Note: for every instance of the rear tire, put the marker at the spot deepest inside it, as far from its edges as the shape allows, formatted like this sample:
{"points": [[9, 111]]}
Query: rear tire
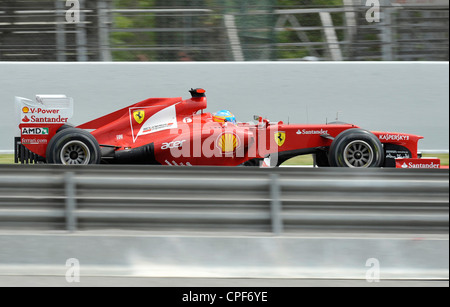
{"points": [[356, 148], [63, 127], [73, 146]]}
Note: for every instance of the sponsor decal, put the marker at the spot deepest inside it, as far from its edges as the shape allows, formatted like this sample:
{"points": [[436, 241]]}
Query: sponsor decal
{"points": [[393, 137], [178, 164], [46, 114], [420, 165], [48, 109], [396, 154], [162, 120], [34, 141], [139, 116], [39, 119], [280, 137], [34, 131], [119, 137], [187, 120], [40, 111], [228, 142], [175, 144], [157, 127], [307, 132]]}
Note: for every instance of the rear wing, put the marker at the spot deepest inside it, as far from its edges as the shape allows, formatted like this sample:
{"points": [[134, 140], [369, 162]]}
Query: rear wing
{"points": [[48, 109], [37, 122]]}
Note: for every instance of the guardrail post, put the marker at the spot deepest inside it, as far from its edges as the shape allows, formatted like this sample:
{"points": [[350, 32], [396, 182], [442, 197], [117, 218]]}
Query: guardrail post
{"points": [[70, 188], [275, 205]]}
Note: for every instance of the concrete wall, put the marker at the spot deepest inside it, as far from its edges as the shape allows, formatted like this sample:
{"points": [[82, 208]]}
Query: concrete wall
{"points": [[404, 97]]}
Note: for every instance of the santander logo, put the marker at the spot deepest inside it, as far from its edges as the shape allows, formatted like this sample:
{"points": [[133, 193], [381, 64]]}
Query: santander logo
{"points": [[420, 165]]}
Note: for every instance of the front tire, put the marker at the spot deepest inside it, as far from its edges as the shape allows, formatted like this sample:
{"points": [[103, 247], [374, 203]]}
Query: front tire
{"points": [[73, 146], [356, 148]]}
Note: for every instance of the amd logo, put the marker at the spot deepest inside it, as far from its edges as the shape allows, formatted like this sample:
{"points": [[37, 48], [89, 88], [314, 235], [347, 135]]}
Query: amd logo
{"points": [[34, 131]]}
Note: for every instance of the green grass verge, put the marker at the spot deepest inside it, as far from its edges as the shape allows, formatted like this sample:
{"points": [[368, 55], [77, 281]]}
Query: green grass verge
{"points": [[6, 159], [300, 160], [443, 157]]}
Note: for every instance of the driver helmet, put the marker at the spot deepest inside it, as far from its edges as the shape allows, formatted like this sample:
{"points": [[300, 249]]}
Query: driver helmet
{"points": [[224, 116]]}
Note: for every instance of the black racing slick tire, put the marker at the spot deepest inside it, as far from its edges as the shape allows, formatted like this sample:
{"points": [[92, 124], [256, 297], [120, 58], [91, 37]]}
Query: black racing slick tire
{"points": [[356, 148], [73, 146], [63, 127]]}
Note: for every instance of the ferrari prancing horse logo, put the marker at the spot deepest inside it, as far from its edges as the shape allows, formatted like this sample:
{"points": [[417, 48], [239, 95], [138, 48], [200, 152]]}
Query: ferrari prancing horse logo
{"points": [[139, 116], [280, 137]]}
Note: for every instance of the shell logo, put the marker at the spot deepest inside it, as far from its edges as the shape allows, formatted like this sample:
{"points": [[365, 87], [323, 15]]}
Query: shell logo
{"points": [[25, 110], [227, 142]]}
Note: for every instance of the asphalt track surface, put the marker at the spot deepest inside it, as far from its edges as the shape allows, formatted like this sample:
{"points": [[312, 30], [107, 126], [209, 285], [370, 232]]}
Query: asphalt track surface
{"points": [[60, 281]]}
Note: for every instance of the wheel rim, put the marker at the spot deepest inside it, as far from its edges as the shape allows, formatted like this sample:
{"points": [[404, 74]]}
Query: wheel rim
{"points": [[358, 154], [75, 153]]}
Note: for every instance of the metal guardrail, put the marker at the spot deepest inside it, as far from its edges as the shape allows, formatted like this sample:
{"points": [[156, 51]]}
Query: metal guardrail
{"points": [[217, 199]]}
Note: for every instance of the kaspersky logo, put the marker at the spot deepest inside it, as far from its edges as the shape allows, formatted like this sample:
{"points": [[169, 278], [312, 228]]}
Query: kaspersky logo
{"points": [[34, 131], [394, 137]]}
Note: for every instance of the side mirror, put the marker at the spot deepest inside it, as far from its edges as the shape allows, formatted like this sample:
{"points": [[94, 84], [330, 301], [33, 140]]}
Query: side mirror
{"points": [[257, 117]]}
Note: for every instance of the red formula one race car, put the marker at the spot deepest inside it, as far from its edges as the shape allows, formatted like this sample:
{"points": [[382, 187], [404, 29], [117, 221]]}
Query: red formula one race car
{"points": [[173, 131]]}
